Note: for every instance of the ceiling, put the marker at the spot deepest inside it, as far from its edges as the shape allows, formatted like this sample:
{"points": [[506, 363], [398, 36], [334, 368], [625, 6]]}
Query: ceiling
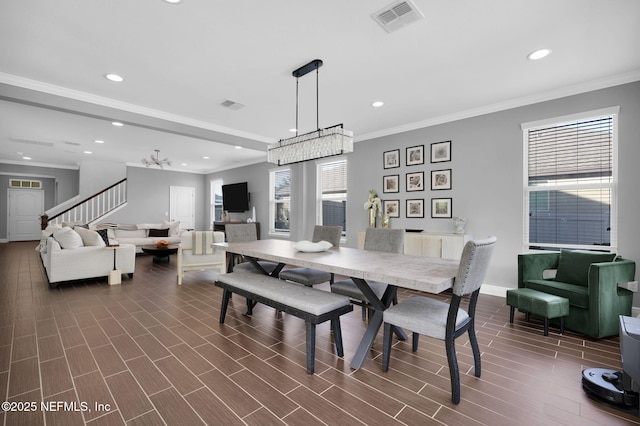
{"points": [[181, 61]]}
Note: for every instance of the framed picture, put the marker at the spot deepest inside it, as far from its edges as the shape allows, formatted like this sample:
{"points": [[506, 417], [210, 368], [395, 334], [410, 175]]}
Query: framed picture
{"points": [[440, 179], [391, 159], [415, 155], [441, 208], [391, 207], [415, 181], [415, 208], [391, 183], [440, 152]]}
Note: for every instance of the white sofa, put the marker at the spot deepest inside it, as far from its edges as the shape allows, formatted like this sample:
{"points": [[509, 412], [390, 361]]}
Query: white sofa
{"points": [[141, 234], [85, 262], [188, 261]]}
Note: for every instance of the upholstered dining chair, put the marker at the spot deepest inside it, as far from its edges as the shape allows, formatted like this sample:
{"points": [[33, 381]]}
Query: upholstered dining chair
{"points": [[441, 320], [375, 239], [241, 232], [309, 276]]}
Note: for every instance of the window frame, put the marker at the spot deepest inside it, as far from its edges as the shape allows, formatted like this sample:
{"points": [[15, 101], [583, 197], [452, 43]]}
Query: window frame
{"points": [[213, 204], [613, 112], [319, 193], [273, 202]]}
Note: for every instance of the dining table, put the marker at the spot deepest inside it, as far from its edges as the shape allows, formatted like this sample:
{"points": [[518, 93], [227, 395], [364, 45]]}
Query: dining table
{"points": [[424, 274]]}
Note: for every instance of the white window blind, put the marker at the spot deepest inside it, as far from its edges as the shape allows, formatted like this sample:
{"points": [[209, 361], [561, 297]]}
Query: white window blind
{"points": [[280, 180], [332, 178], [570, 184]]}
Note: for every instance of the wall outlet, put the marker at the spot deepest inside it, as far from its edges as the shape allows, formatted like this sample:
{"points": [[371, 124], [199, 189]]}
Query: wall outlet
{"points": [[166, 213]]}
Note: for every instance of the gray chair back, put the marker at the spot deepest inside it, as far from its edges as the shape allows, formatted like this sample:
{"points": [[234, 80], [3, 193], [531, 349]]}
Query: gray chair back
{"points": [[387, 240], [241, 232], [474, 263], [331, 234]]}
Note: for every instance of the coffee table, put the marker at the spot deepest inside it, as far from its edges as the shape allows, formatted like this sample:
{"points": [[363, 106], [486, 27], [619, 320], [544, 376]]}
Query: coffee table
{"points": [[160, 254]]}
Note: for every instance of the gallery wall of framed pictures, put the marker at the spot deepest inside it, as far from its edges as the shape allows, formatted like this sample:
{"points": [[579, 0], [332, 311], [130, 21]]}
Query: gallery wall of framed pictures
{"points": [[440, 179]]}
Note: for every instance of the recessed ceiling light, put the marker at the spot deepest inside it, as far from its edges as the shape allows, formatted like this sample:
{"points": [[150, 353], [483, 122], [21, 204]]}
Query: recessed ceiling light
{"points": [[98, 141], [88, 152], [184, 164], [117, 124], [114, 77], [26, 158], [293, 130], [538, 54], [377, 104], [205, 157], [237, 147], [173, 1]]}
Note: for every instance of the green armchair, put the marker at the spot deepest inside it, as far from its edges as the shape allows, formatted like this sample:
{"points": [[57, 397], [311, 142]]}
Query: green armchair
{"points": [[589, 280]]}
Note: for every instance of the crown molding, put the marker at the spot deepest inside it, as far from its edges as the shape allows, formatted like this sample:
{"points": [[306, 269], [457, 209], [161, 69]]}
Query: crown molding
{"points": [[32, 164], [510, 104]]}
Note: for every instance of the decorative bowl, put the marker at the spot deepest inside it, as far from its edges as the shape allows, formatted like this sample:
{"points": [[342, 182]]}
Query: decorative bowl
{"points": [[162, 243]]}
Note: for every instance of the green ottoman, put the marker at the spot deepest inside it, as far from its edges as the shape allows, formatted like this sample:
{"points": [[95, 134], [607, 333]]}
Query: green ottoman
{"points": [[535, 302]]}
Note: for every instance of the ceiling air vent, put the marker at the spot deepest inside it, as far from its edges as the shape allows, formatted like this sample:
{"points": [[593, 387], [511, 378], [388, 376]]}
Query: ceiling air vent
{"points": [[397, 15], [31, 141], [232, 105]]}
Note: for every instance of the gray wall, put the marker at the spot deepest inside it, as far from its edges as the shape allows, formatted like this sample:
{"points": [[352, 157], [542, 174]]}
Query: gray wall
{"points": [[257, 178], [59, 185], [148, 196], [487, 174]]}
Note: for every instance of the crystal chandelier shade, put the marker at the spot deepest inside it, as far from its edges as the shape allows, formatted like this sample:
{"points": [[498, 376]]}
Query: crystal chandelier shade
{"points": [[309, 146]]}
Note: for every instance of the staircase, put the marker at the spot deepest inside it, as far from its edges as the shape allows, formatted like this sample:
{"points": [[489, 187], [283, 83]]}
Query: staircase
{"points": [[93, 208]]}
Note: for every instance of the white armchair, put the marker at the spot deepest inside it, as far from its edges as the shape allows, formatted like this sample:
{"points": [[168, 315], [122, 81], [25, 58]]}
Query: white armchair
{"points": [[200, 256]]}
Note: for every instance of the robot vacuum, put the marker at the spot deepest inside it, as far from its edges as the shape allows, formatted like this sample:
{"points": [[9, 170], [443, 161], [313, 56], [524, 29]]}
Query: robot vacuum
{"points": [[619, 389]]}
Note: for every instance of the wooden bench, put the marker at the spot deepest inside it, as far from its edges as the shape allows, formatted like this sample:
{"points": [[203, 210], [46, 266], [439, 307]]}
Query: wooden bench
{"points": [[312, 305]]}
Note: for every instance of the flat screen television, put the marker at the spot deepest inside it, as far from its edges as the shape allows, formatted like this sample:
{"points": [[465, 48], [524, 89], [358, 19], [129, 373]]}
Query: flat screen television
{"points": [[235, 197]]}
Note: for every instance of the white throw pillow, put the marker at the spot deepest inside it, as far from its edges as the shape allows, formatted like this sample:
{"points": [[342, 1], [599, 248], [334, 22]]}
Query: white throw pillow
{"points": [[308, 246], [47, 232], [68, 238], [174, 227], [89, 237]]}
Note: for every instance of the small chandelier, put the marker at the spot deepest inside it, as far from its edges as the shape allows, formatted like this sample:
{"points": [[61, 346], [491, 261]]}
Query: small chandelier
{"points": [[156, 161], [319, 143]]}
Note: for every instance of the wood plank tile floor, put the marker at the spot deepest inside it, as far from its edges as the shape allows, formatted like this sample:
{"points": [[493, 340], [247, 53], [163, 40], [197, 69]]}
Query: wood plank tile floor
{"points": [[150, 352]]}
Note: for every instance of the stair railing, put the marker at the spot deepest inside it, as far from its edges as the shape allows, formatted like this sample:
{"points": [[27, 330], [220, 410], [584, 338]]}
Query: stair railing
{"points": [[92, 208]]}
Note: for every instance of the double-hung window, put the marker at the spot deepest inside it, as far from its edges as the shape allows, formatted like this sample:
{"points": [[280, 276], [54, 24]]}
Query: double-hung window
{"points": [[332, 194], [280, 200], [216, 200], [570, 182]]}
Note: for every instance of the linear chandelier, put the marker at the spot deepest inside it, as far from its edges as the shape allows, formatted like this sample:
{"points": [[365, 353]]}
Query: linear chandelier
{"points": [[156, 161], [319, 143]]}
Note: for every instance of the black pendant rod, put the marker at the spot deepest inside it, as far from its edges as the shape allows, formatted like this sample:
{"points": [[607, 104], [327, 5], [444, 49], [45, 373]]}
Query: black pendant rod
{"points": [[304, 70]]}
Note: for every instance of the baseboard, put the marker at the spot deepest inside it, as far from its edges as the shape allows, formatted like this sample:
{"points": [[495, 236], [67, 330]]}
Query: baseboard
{"points": [[4, 240], [494, 290]]}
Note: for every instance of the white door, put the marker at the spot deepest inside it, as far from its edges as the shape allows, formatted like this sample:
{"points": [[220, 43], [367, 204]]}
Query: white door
{"points": [[25, 208], [182, 205]]}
